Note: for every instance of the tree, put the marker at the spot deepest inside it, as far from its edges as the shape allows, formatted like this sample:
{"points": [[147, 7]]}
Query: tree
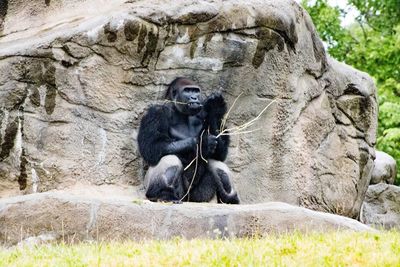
{"points": [[372, 44], [382, 16]]}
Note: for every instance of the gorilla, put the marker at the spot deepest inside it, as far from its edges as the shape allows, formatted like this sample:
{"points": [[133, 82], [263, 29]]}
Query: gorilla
{"points": [[170, 137]]}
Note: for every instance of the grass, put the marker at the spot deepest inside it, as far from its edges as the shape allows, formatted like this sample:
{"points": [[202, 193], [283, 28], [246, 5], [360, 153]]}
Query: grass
{"points": [[331, 249]]}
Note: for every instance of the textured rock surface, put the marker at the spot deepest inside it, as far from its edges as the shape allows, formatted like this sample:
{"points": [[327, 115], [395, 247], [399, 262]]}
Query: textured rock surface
{"points": [[57, 216], [382, 206], [384, 170], [76, 77]]}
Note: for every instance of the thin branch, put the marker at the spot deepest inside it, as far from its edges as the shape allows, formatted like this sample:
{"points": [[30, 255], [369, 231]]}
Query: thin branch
{"points": [[247, 124], [190, 164], [201, 146], [243, 132], [194, 174], [174, 101], [227, 114], [362, 28]]}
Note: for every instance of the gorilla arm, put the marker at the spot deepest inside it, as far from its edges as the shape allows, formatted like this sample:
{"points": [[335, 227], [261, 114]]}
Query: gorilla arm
{"points": [[153, 137], [215, 108], [180, 146]]}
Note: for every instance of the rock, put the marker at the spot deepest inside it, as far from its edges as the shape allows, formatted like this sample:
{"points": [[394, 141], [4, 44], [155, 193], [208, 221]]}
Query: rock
{"points": [[381, 207], [33, 241], [76, 77], [384, 170], [71, 219]]}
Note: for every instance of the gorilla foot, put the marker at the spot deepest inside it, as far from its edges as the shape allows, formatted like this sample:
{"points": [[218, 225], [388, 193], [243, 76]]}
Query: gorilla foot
{"points": [[231, 199]]}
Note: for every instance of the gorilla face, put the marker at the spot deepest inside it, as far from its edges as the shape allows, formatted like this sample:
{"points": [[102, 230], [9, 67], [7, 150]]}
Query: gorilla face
{"points": [[188, 97]]}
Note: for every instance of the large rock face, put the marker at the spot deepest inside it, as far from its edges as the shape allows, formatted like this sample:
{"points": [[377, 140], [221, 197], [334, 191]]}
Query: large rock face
{"points": [[76, 77]]}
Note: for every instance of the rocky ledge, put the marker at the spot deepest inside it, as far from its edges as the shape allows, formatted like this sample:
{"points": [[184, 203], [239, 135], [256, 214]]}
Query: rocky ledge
{"points": [[61, 216]]}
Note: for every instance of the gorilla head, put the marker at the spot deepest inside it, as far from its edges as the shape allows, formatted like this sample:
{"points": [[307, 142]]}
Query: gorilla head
{"points": [[186, 96]]}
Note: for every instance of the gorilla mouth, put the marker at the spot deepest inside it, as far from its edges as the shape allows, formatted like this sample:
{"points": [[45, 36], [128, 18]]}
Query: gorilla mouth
{"points": [[194, 105]]}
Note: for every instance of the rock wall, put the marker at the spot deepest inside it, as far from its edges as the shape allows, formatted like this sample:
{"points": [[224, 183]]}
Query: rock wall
{"points": [[76, 77]]}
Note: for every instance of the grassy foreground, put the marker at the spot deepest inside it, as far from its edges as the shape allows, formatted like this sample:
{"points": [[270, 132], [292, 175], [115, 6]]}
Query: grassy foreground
{"points": [[332, 249]]}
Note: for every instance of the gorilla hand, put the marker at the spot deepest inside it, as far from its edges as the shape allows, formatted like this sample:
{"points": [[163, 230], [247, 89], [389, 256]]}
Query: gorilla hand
{"points": [[215, 108], [215, 104]]}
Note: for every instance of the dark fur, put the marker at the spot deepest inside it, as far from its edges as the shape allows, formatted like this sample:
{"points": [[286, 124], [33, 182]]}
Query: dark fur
{"points": [[154, 136]]}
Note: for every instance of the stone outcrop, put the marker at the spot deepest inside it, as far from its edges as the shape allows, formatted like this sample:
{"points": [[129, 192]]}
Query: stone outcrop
{"points": [[58, 216], [384, 170], [76, 77], [381, 208]]}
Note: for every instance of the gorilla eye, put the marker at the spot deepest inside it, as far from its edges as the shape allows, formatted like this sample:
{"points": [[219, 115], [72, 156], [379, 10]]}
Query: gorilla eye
{"points": [[192, 89]]}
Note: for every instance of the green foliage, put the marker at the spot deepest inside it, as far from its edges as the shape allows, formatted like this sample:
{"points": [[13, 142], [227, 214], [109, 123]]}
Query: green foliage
{"points": [[382, 16], [390, 115], [296, 249], [327, 21], [372, 44], [389, 142]]}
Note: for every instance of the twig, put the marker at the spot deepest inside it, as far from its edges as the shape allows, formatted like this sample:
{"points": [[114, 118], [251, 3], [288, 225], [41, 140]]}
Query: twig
{"points": [[194, 174], [190, 164], [174, 101], [201, 153], [245, 125], [201, 146], [244, 132], [227, 114], [198, 147]]}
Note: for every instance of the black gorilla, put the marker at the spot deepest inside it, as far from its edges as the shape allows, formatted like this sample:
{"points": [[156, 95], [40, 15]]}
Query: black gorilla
{"points": [[170, 137]]}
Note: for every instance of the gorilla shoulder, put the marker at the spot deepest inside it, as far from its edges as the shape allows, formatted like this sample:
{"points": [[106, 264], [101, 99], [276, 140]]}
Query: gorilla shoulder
{"points": [[153, 132]]}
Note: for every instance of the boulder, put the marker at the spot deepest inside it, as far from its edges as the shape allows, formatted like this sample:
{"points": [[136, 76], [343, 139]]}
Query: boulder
{"points": [[381, 207], [36, 218], [384, 170], [76, 77]]}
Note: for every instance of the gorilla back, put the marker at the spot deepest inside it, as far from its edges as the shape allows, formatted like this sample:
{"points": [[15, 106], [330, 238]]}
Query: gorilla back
{"points": [[183, 132]]}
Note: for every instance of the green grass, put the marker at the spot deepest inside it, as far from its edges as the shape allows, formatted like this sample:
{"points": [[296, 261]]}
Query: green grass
{"points": [[332, 249]]}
